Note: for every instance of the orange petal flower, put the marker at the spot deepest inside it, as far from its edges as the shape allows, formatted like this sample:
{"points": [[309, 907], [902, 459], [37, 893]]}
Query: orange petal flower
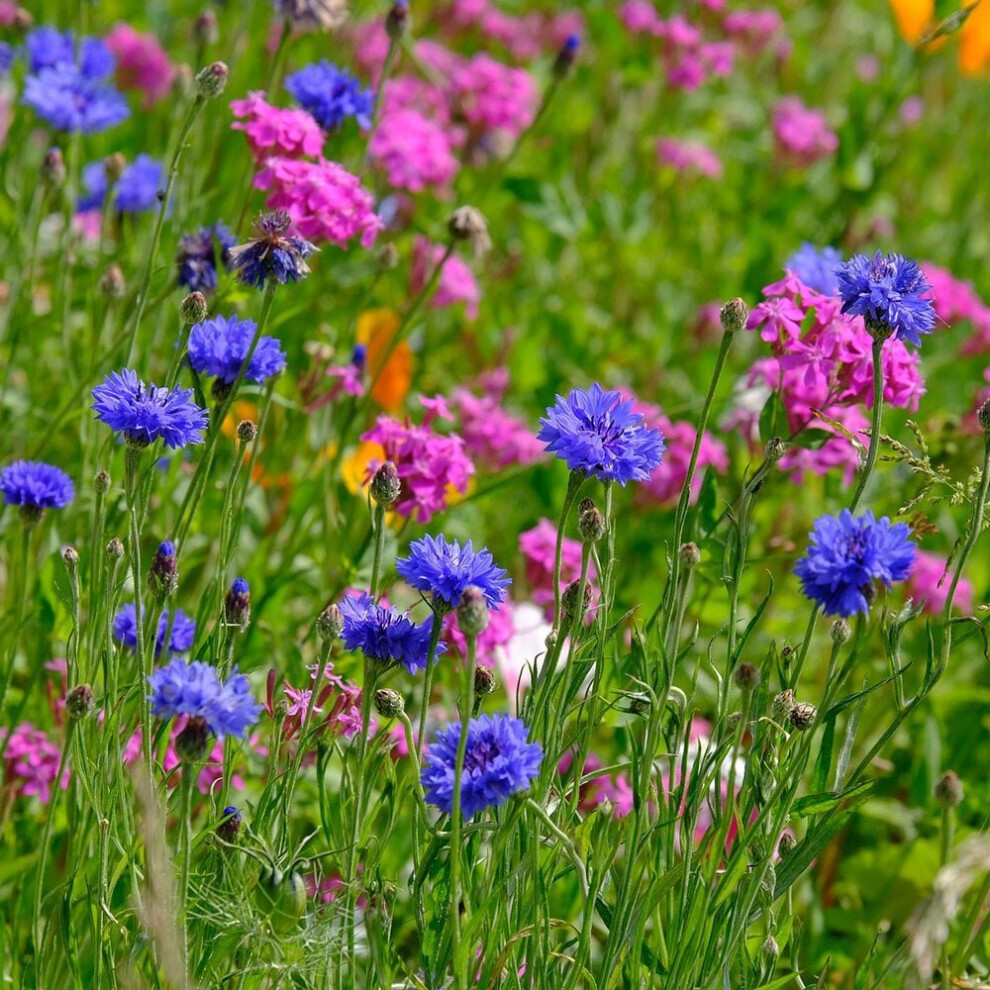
{"points": [[974, 42], [376, 328], [913, 17]]}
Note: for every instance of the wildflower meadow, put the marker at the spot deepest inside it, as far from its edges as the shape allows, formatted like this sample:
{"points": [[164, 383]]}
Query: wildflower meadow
{"points": [[494, 494]]}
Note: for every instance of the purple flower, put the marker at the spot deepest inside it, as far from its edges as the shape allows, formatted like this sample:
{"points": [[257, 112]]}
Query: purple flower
{"points": [[330, 95], [71, 101], [598, 433], [194, 689], [888, 291], [816, 267], [35, 485], [275, 254], [219, 346], [146, 413], [848, 555], [137, 188], [383, 633], [444, 570], [183, 630], [197, 257], [499, 761], [48, 47]]}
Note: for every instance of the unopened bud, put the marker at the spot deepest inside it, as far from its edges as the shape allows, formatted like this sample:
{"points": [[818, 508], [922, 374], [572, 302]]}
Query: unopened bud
{"points": [[237, 604], [101, 482], [640, 704], [211, 81], [193, 309], [115, 549], [775, 449], [770, 948], [192, 743], [388, 257], [879, 329], [840, 631], [689, 554], [397, 20], [23, 19], [113, 166], [163, 574], [385, 485], [733, 315], [389, 703], [112, 285], [472, 611], [79, 702], [330, 623], [747, 677], [566, 56], [468, 224], [53, 169], [803, 715], [780, 710], [247, 430], [230, 828], [205, 30], [786, 843], [70, 557], [983, 417], [569, 599], [484, 681], [949, 790], [591, 523]]}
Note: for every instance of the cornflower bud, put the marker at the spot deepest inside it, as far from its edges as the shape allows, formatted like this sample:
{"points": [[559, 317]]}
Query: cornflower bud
{"points": [[689, 554], [211, 81], [770, 948], [780, 709], [330, 623], [840, 631], [79, 702], [101, 482], [113, 166], [949, 790], [983, 417], [567, 55], [802, 715], [192, 743], [569, 599], [70, 557], [193, 309], [775, 449], [163, 575], [385, 485], [591, 523], [53, 170], [733, 315], [389, 703], [230, 828], [468, 224], [237, 604], [472, 612], [247, 430], [747, 677], [115, 549], [388, 257], [205, 30], [111, 284], [484, 681], [397, 20]]}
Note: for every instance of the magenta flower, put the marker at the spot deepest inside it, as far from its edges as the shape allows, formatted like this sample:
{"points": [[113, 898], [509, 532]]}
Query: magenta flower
{"points": [[687, 156], [142, 63], [457, 283], [802, 135], [274, 131]]}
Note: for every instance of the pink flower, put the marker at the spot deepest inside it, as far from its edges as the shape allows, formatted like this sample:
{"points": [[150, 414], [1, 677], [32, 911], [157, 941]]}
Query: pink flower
{"points": [[640, 17], [413, 151], [274, 131], [456, 284], [431, 465], [929, 582], [755, 28], [492, 436], [491, 96], [957, 301], [615, 789], [142, 63], [779, 319], [687, 156], [325, 202], [802, 135], [538, 547], [31, 762]]}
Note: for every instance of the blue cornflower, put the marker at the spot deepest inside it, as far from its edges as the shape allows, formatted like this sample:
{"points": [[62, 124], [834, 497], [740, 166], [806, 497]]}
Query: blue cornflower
{"points": [[598, 433], [816, 267], [383, 633], [194, 689], [146, 413], [7, 56], [69, 100], [218, 347], [47, 46], [444, 570], [137, 188], [330, 95], [847, 555], [181, 640], [499, 761], [273, 255], [237, 604], [888, 291], [36, 486], [197, 257], [94, 181]]}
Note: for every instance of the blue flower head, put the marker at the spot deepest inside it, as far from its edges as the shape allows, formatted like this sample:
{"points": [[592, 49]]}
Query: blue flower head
{"points": [[197, 257], [499, 761], [137, 188], [444, 570], [219, 346], [330, 95], [36, 486], [597, 432], [383, 633], [274, 254], [183, 630], [847, 555], [70, 101], [146, 413], [94, 181], [7, 56], [888, 291], [194, 689], [816, 267]]}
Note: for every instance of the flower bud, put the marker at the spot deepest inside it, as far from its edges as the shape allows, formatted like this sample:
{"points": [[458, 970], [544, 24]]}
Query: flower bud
{"points": [[237, 604], [397, 20], [385, 485], [388, 257], [780, 709], [468, 224], [247, 430], [569, 599], [949, 790], [689, 555], [786, 842], [53, 171], [775, 449], [70, 557], [112, 284], [113, 166], [211, 81], [205, 30], [101, 482], [230, 828], [472, 612], [640, 704], [591, 523], [193, 309], [803, 715], [192, 743], [747, 677], [163, 575], [770, 948], [983, 417], [566, 56], [23, 19], [79, 702], [484, 681], [115, 549], [389, 703], [840, 631], [330, 623], [878, 328], [733, 315]]}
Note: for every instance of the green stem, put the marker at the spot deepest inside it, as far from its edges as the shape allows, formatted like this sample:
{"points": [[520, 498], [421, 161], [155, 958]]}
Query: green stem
{"points": [[874, 449], [431, 656]]}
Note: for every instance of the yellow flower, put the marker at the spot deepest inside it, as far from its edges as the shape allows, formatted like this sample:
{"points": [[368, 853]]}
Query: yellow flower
{"points": [[376, 329]]}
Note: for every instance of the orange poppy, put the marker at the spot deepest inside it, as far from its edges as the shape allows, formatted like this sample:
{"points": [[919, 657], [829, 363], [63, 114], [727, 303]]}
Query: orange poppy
{"points": [[376, 329], [916, 17]]}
